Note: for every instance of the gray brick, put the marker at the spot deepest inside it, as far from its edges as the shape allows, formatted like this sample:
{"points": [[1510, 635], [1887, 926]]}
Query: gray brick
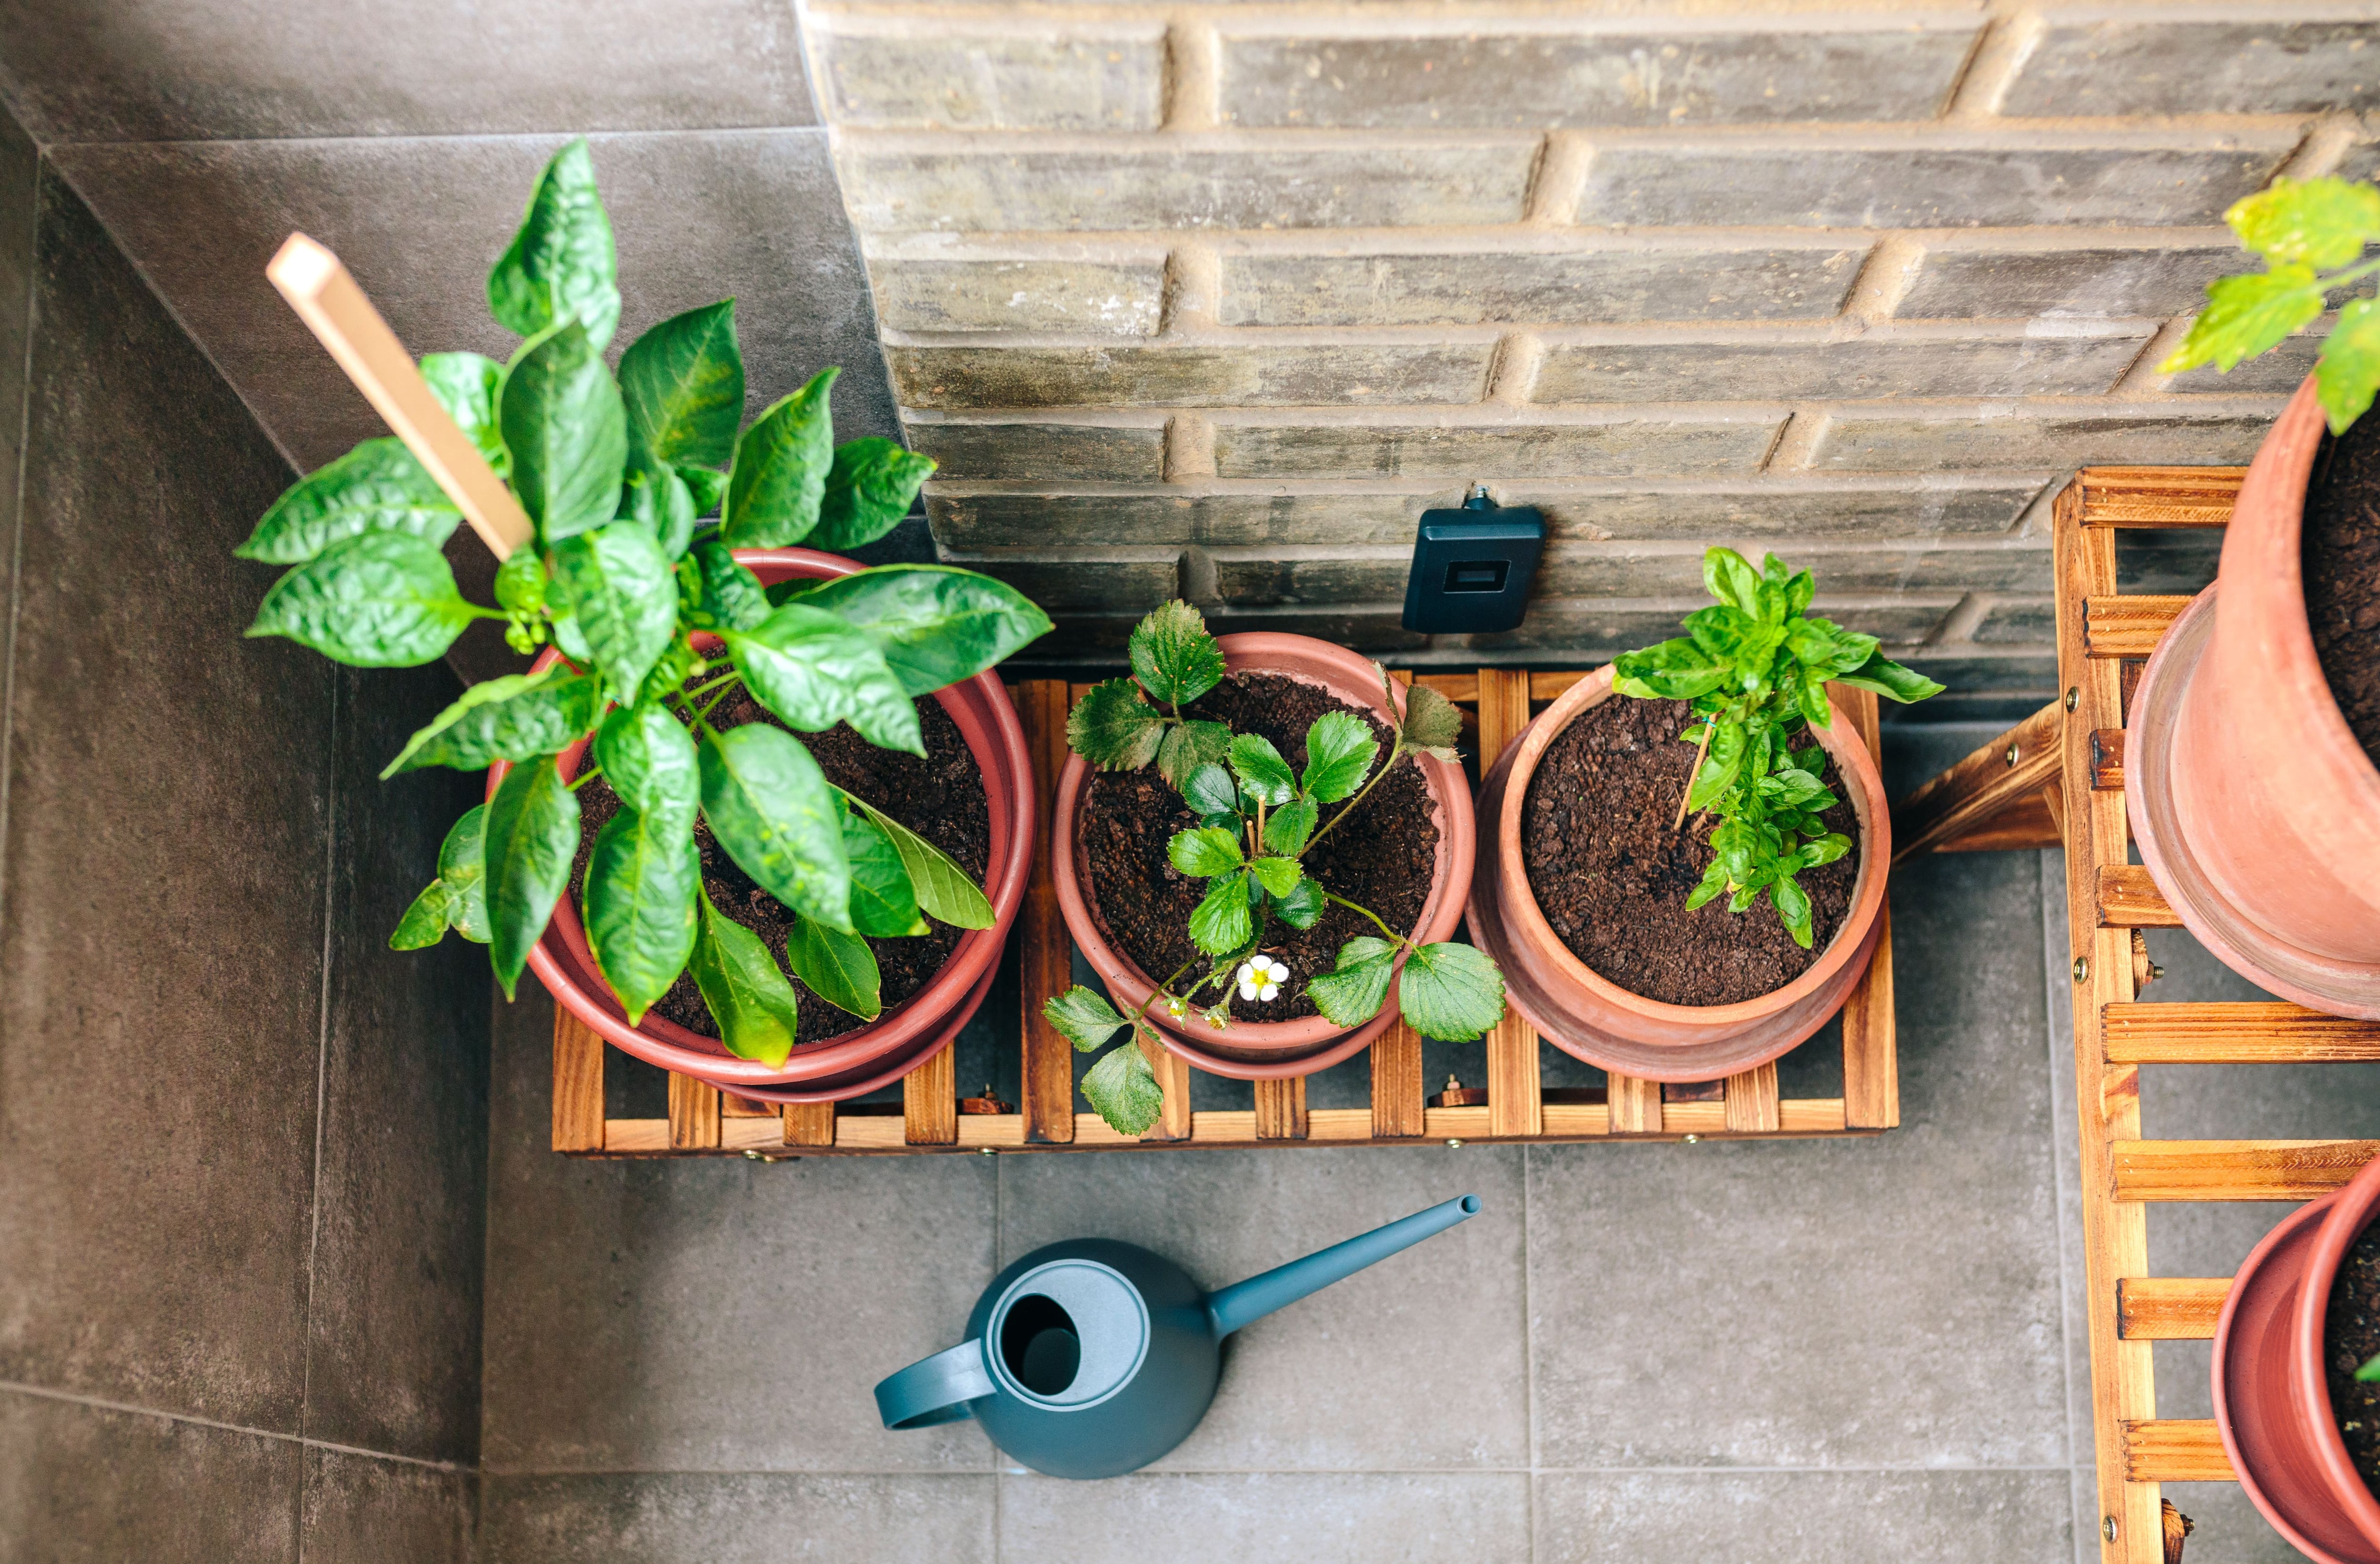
{"points": [[2274, 373], [1544, 81], [1110, 298], [1870, 366], [1757, 283], [1257, 375], [1912, 507], [1110, 578], [2361, 162], [1609, 448], [1004, 519], [1938, 181], [1971, 669], [1965, 281], [1015, 79], [1603, 625], [1371, 627], [1081, 452], [2119, 66], [1910, 440], [2032, 621], [1436, 183]]}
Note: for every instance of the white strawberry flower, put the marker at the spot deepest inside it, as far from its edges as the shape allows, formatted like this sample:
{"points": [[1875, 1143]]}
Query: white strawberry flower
{"points": [[1260, 979]]}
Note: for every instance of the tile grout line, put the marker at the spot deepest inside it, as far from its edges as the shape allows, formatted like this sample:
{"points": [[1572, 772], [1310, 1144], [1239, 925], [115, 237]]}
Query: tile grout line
{"points": [[1528, 1353], [322, 1081], [1910, 1469], [16, 520], [132, 1409]]}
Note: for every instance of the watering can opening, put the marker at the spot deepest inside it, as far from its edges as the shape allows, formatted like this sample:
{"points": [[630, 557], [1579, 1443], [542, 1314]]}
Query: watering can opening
{"points": [[1040, 1345]]}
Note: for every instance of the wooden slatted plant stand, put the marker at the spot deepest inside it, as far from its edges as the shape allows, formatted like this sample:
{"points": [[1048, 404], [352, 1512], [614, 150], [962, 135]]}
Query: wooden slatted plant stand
{"points": [[1497, 703], [2062, 769]]}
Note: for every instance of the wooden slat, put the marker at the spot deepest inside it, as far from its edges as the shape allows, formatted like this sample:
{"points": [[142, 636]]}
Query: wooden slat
{"points": [[2130, 899], [930, 1100], [2174, 1449], [1635, 1106], [1045, 965], [693, 1113], [2027, 825], [1396, 1083], [1751, 1099], [1514, 1106], [2107, 759], [2169, 1308], [636, 1136], [809, 1123], [2153, 496], [2267, 1032], [1871, 1063], [1461, 688], [1173, 1073], [1691, 1091], [1553, 685], [1280, 1109], [2233, 1170], [577, 1084], [733, 1107], [2129, 624], [1981, 786]]}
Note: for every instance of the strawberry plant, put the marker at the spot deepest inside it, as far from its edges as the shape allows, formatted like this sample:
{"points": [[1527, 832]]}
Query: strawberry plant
{"points": [[1258, 820], [1755, 665], [2312, 234], [640, 486]]}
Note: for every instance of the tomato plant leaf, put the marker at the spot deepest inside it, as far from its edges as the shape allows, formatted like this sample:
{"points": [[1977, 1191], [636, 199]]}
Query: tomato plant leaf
{"points": [[2349, 369], [2324, 223], [2245, 316]]}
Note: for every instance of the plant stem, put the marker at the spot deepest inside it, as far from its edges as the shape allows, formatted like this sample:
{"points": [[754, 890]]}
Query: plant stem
{"points": [[1396, 753], [727, 678], [1710, 725], [589, 775], [722, 694], [1392, 934]]}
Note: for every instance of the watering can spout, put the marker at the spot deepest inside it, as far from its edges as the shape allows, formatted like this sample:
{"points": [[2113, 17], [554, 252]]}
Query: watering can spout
{"points": [[1242, 1303]]}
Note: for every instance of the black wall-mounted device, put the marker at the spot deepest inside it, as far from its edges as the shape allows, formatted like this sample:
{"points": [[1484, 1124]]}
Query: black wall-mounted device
{"points": [[1471, 567]]}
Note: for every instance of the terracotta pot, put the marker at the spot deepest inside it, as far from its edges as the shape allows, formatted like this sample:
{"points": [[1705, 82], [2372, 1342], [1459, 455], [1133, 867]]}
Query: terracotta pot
{"points": [[1268, 1050], [2272, 1400], [903, 1038], [1595, 1019], [2257, 811]]}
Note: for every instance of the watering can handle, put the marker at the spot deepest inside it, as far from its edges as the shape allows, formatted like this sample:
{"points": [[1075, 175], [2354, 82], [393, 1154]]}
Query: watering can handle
{"points": [[935, 1389]]}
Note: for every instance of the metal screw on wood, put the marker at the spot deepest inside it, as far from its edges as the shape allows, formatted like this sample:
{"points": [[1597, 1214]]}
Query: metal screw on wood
{"points": [[1693, 1140], [2081, 969], [1453, 1145], [2073, 697], [2011, 755], [990, 1150], [2107, 1528], [751, 1157]]}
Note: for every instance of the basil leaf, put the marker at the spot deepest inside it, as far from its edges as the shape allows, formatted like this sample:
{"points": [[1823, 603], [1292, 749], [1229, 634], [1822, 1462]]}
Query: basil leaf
{"points": [[1173, 655], [1353, 992], [566, 433], [1210, 791], [744, 988], [511, 718], [1113, 729], [424, 923], [1891, 680], [1729, 577], [1719, 766], [837, 967], [561, 263], [1204, 851], [1305, 904], [1082, 1016], [532, 834], [935, 624], [1675, 670], [377, 487], [814, 670], [648, 759], [732, 596], [1222, 922], [780, 473], [1278, 875], [683, 382], [1450, 992], [1263, 774], [463, 869], [1340, 749], [944, 891], [466, 385], [641, 877], [1792, 905], [378, 599], [1123, 1090], [620, 590], [884, 902], [1286, 831], [770, 809], [1191, 746], [869, 490], [1714, 880]]}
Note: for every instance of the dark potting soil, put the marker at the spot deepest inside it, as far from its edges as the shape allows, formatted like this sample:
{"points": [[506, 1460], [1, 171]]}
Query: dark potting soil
{"points": [[1612, 878], [940, 797], [2350, 1335], [2340, 552], [1381, 858]]}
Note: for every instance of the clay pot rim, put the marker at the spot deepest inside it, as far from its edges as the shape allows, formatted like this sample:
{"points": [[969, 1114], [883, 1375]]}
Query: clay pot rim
{"points": [[1852, 760], [706, 1057], [1266, 651], [2352, 1209]]}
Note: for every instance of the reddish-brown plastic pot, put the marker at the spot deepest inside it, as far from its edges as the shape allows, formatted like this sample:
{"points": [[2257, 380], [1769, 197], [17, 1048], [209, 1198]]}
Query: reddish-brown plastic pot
{"points": [[1592, 1018], [2257, 811], [903, 1038], [1268, 1050], [2272, 1397]]}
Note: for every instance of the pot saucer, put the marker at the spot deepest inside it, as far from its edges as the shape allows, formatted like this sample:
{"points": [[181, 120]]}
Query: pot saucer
{"points": [[2265, 958]]}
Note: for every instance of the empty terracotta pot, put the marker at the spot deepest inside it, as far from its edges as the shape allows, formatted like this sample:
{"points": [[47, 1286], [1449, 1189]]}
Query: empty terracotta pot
{"points": [[1590, 1017], [1264, 1050], [2257, 811], [2272, 1399], [903, 1038]]}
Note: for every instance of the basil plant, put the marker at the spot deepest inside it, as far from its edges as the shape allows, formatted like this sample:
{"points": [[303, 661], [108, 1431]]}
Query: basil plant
{"points": [[1755, 665], [1259, 820], [640, 486]]}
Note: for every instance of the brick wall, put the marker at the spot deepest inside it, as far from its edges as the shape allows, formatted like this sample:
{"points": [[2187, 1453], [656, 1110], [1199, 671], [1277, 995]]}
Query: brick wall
{"points": [[1216, 299]]}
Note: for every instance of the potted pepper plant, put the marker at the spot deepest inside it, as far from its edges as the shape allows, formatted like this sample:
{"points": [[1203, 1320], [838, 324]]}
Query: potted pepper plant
{"points": [[794, 917], [2250, 752], [1600, 894], [1198, 836]]}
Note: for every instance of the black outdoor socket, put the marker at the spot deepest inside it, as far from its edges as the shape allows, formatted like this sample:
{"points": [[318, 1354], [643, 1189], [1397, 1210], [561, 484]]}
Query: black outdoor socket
{"points": [[1472, 566]]}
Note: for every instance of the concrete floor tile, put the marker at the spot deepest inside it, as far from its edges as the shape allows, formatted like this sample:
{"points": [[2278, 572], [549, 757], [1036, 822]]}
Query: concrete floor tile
{"points": [[713, 1314], [1314, 1518], [362, 1510], [736, 1517], [1803, 1517], [85, 1484], [1415, 1363]]}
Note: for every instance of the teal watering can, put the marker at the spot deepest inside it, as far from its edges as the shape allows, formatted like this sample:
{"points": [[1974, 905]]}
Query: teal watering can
{"points": [[1092, 1358]]}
